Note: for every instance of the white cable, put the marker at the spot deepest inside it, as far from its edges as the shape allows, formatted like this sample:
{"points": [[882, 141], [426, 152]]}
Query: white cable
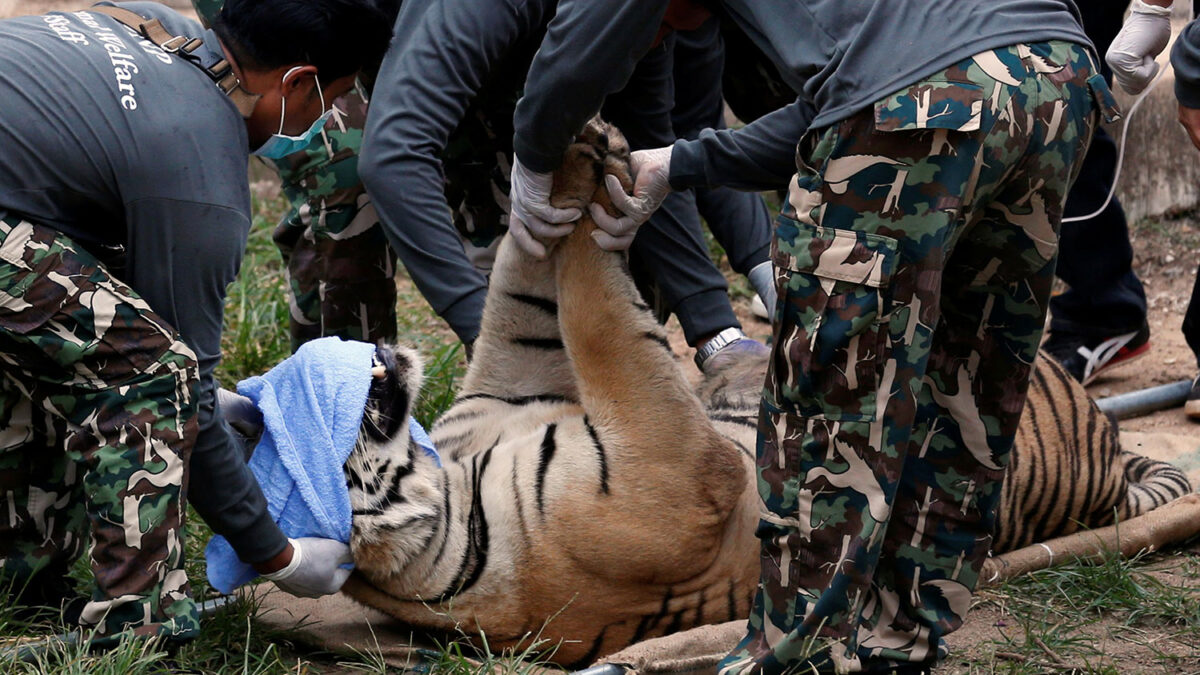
{"points": [[1112, 189]]}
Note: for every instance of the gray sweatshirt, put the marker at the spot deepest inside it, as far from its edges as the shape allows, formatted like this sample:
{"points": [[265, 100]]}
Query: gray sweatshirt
{"points": [[840, 55], [450, 59], [112, 142], [442, 55]]}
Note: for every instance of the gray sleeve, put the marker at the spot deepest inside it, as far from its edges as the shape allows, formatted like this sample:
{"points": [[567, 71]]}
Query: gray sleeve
{"points": [[438, 60], [759, 156], [1185, 58], [589, 52], [182, 255]]}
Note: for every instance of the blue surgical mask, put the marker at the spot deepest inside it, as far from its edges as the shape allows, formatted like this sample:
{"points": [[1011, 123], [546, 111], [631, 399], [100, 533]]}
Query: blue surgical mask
{"points": [[280, 145]]}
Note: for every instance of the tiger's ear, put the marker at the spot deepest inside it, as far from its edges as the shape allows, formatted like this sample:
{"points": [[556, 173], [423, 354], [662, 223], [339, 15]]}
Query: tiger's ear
{"points": [[411, 367]]}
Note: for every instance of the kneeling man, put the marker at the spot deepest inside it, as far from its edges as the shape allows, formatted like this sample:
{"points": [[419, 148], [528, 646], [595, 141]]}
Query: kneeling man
{"points": [[124, 211]]}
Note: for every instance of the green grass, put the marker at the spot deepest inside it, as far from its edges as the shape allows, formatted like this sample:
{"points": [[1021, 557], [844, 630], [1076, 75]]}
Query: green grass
{"points": [[444, 369], [1064, 615]]}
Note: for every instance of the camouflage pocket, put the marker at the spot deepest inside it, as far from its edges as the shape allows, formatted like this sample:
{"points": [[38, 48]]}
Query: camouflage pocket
{"points": [[1110, 111], [829, 340], [931, 104]]}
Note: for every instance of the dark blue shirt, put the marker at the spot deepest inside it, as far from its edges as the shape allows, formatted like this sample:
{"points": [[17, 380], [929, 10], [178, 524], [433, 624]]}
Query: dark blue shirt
{"points": [[114, 143]]}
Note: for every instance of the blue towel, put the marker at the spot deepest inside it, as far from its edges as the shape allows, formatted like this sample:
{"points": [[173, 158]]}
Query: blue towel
{"points": [[417, 433], [312, 406]]}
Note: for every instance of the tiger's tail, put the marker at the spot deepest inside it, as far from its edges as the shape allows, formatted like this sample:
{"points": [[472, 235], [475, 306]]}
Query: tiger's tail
{"points": [[1152, 483]]}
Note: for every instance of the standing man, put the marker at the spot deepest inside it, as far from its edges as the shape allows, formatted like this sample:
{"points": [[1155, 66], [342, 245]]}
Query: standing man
{"points": [[443, 103], [914, 262], [739, 221], [1099, 321], [1142, 38], [124, 210], [443, 108]]}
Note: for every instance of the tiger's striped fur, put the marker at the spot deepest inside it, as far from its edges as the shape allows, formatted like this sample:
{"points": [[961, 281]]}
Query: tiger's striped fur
{"points": [[1068, 472], [591, 495], [580, 480]]}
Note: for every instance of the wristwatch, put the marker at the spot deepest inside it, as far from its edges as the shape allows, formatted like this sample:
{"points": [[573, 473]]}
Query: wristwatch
{"points": [[717, 343]]}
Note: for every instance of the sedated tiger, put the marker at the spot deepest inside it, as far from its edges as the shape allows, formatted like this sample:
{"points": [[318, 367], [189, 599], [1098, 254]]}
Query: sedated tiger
{"points": [[592, 497]]}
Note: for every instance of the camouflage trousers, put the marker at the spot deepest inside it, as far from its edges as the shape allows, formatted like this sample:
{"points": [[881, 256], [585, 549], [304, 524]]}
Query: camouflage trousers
{"points": [[97, 422], [340, 267], [914, 260]]}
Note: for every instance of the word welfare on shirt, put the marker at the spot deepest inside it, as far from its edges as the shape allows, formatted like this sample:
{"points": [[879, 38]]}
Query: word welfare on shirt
{"points": [[124, 64]]}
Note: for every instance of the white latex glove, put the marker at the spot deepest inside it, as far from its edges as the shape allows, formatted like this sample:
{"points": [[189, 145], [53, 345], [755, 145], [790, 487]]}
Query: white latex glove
{"points": [[1143, 37], [651, 169], [531, 217], [315, 569]]}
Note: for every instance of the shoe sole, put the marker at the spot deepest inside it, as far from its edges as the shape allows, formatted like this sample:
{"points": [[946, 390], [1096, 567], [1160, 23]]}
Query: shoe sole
{"points": [[1119, 360], [1191, 410]]}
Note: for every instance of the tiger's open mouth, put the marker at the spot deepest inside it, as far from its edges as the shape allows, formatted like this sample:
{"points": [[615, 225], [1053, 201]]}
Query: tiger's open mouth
{"points": [[386, 411]]}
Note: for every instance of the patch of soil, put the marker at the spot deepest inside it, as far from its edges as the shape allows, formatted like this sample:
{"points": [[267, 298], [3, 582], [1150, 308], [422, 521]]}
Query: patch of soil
{"points": [[1166, 256]]}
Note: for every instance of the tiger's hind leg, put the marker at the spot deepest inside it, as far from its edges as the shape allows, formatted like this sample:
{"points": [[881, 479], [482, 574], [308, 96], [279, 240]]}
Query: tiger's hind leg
{"points": [[519, 352], [644, 419]]}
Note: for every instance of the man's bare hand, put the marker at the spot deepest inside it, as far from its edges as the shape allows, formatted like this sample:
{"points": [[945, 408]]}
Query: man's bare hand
{"points": [[1190, 119]]}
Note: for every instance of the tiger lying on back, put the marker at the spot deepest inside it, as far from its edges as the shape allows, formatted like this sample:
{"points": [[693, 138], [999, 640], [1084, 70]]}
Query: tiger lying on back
{"points": [[587, 481]]}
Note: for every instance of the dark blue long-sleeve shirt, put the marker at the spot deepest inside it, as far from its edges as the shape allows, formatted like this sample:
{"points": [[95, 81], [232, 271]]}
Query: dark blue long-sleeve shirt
{"points": [[445, 56], [443, 52], [112, 142]]}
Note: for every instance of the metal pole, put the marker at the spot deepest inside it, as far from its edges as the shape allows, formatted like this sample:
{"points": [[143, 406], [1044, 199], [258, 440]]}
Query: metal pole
{"points": [[216, 605], [1146, 401], [29, 652]]}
